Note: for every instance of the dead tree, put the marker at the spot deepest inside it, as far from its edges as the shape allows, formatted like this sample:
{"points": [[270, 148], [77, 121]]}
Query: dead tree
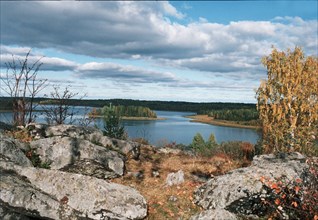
{"points": [[22, 85], [60, 107]]}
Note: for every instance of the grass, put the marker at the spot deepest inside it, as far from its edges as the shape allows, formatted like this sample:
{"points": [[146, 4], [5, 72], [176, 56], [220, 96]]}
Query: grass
{"points": [[176, 201]]}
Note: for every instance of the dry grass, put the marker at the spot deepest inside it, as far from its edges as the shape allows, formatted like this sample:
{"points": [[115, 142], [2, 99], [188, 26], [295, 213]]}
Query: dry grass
{"points": [[21, 135], [176, 201]]}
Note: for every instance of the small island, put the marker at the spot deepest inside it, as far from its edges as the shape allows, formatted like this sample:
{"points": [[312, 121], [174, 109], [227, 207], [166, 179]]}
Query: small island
{"points": [[126, 112]]}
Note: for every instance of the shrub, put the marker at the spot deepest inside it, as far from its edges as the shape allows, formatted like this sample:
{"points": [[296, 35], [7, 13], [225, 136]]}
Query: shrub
{"points": [[36, 160], [237, 150], [282, 198], [293, 199]]}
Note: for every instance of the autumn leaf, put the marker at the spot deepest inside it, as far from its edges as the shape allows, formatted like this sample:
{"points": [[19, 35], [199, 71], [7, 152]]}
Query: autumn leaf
{"points": [[297, 188], [274, 186], [277, 201], [294, 204], [298, 180]]}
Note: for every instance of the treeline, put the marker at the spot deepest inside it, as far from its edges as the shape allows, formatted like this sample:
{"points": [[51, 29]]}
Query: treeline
{"points": [[128, 111], [199, 108], [235, 114]]}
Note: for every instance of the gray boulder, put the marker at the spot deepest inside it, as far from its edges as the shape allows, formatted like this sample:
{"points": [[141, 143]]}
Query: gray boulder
{"points": [[175, 178], [69, 131], [20, 199], [127, 148], [6, 214], [37, 131], [10, 151], [53, 194], [219, 214], [222, 191], [71, 153]]}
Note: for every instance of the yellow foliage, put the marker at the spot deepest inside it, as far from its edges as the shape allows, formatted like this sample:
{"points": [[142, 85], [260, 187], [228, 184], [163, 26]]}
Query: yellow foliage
{"points": [[288, 102]]}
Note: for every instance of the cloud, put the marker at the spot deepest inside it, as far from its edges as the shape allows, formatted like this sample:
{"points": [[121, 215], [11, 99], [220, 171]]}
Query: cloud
{"points": [[49, 63], [124, 73], [142, 30], [154, 32]]}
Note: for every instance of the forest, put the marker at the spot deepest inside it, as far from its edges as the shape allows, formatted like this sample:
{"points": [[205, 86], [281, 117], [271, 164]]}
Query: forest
{"points": [[218, 110], [127, 111], [235, 114]]}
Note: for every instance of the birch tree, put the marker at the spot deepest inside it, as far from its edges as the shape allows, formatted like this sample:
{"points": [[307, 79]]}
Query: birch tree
{"points": [[288, 102]]}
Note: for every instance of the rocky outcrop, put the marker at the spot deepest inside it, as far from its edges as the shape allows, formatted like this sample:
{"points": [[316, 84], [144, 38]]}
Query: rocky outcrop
{"points": [[54, 194], [74, 187], [222, 192], [127, 148], [10, 150], [70, 154], [219, 214]]}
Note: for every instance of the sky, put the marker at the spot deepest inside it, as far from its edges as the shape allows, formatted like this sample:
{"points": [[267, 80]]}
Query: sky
{"points": [[198, 51]]}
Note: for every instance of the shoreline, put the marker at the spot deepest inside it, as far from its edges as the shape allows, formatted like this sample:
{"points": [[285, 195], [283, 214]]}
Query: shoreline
{"points": [[125, 118], [209, 120]]}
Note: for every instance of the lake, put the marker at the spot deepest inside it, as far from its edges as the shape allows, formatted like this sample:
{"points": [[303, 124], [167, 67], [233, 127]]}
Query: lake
{"points": [[176, 128]]}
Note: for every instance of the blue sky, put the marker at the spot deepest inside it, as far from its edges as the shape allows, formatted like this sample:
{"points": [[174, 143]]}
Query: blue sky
{"points": [[227, 11], [206, 51]]}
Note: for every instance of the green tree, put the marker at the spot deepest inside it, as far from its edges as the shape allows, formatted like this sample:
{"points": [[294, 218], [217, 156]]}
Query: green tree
{"points": [[288, 102], [197, 142], [112, 125], [211, 143], [201, 147]]}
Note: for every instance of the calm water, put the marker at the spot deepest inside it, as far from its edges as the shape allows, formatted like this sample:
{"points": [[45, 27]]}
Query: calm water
{"points": [[175, 128]]}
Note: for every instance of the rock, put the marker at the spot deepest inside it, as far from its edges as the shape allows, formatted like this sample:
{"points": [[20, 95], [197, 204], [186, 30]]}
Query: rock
{"points": [[10, 151], [72, 153], [127, 148], [173, 199], [175, 178], [5, 126], [54, 194], [70, 131], [90, 168], [155, 173], [167, 150], [222, 191], [219, 214], [6, 214], [37, 131], [19, 196], [263, 160]]}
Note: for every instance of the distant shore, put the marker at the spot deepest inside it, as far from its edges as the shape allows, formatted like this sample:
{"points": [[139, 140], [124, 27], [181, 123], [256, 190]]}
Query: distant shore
{"points": [[141, 119], [209, 120], [135, 118]]}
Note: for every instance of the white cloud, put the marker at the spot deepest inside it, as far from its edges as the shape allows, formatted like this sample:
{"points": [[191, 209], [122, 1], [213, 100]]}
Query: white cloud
{"points": [[124, 73], [149, 31], [49, 63]]}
